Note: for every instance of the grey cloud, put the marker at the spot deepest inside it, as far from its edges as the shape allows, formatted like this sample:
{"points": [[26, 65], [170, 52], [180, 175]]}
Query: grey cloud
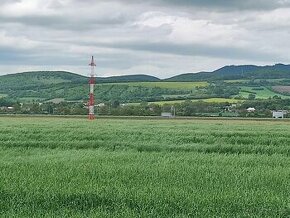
{"points": [[74, 15], [192, 50], [232, 4], [214, 4], [210, 4], [66, 23], [2, 2], [110, 30], [13, 56]]}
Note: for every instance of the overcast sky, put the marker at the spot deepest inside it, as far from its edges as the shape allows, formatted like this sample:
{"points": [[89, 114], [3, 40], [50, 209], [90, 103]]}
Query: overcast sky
{"points": [[157, 37]]}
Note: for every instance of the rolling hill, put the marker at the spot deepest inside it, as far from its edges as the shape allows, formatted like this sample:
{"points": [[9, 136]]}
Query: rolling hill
{"points": [[37, 78], [47, 78], [31, 80], [128, 78], [227, 82], [276, 71]]}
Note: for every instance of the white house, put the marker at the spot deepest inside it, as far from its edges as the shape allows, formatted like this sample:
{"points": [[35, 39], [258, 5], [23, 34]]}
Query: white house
{"points": [[101, 105], [166, 114], [279, 114], [251, 109]]}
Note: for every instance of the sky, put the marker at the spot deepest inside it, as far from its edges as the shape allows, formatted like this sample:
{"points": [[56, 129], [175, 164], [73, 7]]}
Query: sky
{"points": [[162, 38]]}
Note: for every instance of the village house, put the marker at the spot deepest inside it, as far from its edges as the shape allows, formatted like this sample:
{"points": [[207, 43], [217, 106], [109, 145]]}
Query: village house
{"points": [[279, 114], [251, 109]]}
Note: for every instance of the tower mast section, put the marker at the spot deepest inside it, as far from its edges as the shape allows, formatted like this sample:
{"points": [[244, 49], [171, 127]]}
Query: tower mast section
{"points": [[91, 104]]}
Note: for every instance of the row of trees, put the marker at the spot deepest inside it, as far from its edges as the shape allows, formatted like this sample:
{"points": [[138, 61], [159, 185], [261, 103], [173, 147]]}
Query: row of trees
{"points": [[186, 108]]}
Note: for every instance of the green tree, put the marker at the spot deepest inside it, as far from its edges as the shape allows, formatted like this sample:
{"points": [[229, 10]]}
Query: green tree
{"points": [[251, 96]]}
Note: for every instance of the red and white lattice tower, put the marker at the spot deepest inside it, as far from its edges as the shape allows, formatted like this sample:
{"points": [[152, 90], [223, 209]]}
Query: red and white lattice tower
{"points": [[91, 103]]}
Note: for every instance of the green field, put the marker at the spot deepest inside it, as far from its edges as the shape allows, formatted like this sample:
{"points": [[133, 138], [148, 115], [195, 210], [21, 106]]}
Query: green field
{"points": [[256, 80], [260, 94], [168, 85], [3, 95], [237, 81], [31, 99], [70, 167], [210, 100]]}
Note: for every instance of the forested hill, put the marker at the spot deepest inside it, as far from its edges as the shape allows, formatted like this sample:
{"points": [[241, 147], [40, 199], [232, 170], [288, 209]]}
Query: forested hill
{"points": [[48, 78], [129, 78], [229, 82], [43, 78], [277, 71], [39, 78]]}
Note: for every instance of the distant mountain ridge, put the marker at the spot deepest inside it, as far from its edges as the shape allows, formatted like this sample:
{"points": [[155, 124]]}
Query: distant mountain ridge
{"points": [[40, 86], [128, 78], [232, 72], [42, 78], [46, 78]]}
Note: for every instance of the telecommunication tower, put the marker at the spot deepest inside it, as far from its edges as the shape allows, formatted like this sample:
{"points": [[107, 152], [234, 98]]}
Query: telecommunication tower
{"points": [[91, 103]]}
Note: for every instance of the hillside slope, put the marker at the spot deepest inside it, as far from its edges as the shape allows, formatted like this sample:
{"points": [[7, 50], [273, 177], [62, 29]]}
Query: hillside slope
{"points": [[277, 71], [40, 78], [127, 78], [226, 82], [28, 80], [44, 85]]}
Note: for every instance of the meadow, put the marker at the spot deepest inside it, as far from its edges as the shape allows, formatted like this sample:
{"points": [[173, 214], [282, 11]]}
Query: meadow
{"points": [[264, 93], [209, 100], [168, 85], [71, 167], [172, 85], [3, 95]]}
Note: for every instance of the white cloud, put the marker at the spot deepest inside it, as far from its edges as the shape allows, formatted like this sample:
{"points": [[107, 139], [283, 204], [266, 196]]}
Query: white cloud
{"points": [[17, 42], [159, 37], [27, 8]]}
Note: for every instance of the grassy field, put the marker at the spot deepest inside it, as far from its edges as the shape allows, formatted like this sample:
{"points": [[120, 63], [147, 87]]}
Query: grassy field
{"points": [[3, 95], [211, 100], [31, 99], [260, 94], [237, 81], [282, 89], [70, 167], [168, 85], [256, 80]]}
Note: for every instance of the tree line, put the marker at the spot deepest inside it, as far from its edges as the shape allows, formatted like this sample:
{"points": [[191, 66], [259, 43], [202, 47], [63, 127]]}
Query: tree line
{"points": [[115, 108]]}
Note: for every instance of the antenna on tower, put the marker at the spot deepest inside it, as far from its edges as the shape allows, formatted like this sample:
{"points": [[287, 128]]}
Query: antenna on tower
{"points": [[92, 62], [91, 103]]}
